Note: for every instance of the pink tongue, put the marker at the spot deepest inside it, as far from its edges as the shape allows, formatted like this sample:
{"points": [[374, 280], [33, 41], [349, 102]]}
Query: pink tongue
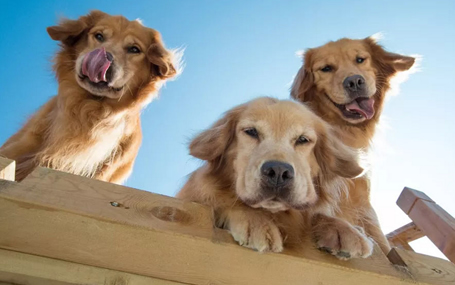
{"points": [[95, 65], [363, 106]]}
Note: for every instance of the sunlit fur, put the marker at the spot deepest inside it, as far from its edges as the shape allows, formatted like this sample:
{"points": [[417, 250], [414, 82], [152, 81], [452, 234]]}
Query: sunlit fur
{"points": [[230, 181], [94, 133], [319, 90]]}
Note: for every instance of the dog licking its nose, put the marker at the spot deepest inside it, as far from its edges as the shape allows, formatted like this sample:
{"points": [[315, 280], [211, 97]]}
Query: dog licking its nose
{"points": [[96, 64]]}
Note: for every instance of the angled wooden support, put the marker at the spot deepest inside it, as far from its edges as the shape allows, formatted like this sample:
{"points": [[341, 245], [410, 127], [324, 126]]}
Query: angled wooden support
{"points": [[431, 219], [401, 237], [61, 220]]}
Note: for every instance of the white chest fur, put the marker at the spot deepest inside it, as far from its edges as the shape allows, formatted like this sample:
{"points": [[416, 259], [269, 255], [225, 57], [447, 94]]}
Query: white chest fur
{"points": [[86, 158]]}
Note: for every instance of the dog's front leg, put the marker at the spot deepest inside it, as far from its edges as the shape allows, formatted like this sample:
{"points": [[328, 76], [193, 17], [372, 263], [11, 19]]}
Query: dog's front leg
{"points": [[119, 168]]}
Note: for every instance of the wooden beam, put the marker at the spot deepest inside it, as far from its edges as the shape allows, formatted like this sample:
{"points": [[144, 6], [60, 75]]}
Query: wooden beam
{"points": [[20, 268], [423, 267], [7, 169], [409, 197], [434, 222], [401, 237], [76, 219]]}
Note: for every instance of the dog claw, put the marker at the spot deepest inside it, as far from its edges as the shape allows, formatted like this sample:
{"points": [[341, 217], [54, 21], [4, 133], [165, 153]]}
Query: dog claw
{"points": [[326, 249], [343, 255]]}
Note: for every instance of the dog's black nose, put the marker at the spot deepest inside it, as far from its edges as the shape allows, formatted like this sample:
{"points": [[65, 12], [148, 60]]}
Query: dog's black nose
{"points": [[354, 83], [110, 71], [109, 56], [277, 173]]}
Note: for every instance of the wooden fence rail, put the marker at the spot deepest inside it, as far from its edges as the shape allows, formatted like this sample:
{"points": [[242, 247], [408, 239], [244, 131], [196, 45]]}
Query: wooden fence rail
{"points": [[58, 228]]}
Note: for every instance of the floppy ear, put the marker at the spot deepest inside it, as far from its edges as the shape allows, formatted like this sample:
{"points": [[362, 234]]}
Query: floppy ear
{"points": [[303, 81], [396, 62], [211, 144], [161, 58], [334, 157], [70, 31]]}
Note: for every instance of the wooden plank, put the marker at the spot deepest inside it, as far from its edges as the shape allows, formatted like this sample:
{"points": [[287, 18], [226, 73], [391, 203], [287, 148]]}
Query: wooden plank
{"points": [[434, 221], [20, 268], [7, 169], [171, 256], [437, 224], [424, 268], [139, 208], [62, 216], [111, 201], [401, 237]]}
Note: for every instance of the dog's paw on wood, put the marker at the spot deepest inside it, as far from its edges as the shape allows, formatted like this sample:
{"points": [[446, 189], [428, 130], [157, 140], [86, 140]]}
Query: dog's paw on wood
{"points": [[256, 231], [341, 239]]}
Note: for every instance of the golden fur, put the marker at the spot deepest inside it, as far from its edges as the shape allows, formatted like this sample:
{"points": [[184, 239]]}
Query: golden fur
{"points": [[94, 129], [233, 183], [323, 90]]}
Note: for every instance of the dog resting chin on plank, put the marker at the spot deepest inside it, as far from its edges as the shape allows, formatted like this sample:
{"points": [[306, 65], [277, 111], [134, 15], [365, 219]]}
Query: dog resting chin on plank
{"points": [[270, 165], [108, 68]]}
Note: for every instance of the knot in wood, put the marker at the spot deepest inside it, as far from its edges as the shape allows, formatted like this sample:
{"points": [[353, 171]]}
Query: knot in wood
{"points": [[171, 214]]}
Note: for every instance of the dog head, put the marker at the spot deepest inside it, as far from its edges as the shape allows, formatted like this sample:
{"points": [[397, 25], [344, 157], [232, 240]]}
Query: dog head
{"points": [[348, 78], [275, 151], [110, 55]]}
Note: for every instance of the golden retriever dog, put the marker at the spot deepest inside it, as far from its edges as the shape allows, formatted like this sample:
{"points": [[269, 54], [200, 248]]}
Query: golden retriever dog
{"points": [[108, 69], [267, 162], [345, 82]]}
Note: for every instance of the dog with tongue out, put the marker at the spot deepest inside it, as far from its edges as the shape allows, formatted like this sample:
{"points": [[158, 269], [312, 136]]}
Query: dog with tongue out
{"points": [[108, 69], [95, 65], [345, 82]]}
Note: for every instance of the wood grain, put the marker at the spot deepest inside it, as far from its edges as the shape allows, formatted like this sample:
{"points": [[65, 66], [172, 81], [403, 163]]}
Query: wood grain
{"points": [[80, 220], [52, 232], [424, 268], [20, 268], [437, 224], [408, 198], [111, 201]]}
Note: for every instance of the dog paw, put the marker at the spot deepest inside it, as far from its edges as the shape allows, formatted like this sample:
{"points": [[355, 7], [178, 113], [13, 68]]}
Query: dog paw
{"points": [[341, 239], [257, 233]]}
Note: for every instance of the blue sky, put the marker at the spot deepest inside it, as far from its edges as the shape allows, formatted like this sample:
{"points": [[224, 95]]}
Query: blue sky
{"points": [[238, 50]]}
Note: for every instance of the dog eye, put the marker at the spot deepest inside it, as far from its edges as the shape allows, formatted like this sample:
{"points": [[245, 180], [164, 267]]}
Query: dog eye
{"points": [[134, 49], [252, 132], [359, 59], [99, 37], [326, 68], [302, 140]]}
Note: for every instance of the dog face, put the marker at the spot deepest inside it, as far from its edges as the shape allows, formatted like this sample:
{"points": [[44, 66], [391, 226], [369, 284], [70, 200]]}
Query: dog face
{"points": [[112, 55], [276, 149], [344, 77]]}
